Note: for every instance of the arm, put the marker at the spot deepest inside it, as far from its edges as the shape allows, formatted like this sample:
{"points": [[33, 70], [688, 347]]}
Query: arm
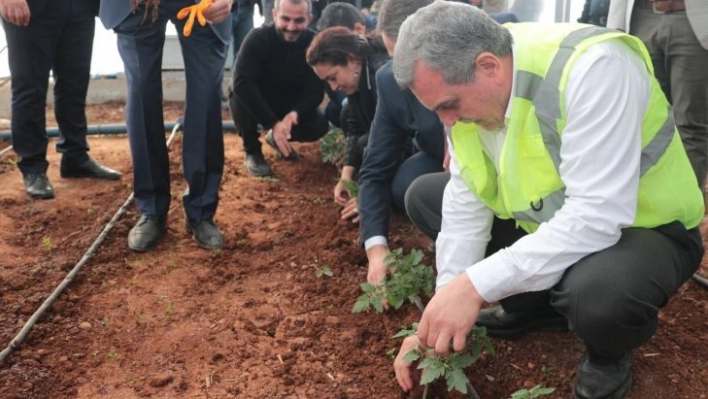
{"points": [[252, 56]]}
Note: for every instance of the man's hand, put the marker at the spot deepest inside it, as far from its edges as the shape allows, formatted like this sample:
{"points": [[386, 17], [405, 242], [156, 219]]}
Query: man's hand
{"points": [[218, 11], [282, 132], [378, 268], [450, 315], [401, 367], [16, 12], [351, 210]]}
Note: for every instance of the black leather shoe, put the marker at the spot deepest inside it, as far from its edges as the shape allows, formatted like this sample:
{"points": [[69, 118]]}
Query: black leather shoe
{"points": [[89, 168], [514, 325], [37, 185], [205, 233], [293, 156], [602, 378], [146, 234], [257, 166]]}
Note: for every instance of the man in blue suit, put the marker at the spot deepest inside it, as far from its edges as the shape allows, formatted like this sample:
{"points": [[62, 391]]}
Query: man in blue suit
{"points": [[140, 26], [44, 35]]}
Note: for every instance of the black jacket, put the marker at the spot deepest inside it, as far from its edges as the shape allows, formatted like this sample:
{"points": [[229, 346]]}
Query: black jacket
{"points": [[272, 78], [361, 107]]}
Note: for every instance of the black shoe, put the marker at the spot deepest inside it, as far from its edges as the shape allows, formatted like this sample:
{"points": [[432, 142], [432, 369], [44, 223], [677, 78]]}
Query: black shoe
{"points": [[37, 185], [205, 233], [257, 166], [146, 234], [293, 156], [602, 378], [514, 325], [89, 168]]}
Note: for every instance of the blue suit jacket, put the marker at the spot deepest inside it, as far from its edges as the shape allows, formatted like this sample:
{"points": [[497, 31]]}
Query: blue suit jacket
{"points": [[113, 12], [399, 117]]}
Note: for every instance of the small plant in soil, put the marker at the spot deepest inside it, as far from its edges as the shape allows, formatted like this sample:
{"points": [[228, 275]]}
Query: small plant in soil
{"points": [[332, 146], [325, 270], [47, 242], [532, 393], [451, 367], [409, 278]]}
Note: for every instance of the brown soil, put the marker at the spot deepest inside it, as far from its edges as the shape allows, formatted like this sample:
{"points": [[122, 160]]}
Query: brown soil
{"points": [[251, 320]]}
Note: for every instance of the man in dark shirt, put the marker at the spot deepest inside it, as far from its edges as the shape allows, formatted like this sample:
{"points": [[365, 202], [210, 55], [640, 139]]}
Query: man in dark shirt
{"points": [[275, 87]]}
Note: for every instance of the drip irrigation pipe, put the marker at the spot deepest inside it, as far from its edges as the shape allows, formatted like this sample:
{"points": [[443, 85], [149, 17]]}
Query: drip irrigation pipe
{"points": [[70, 277], [109, 129], [702, 281]]}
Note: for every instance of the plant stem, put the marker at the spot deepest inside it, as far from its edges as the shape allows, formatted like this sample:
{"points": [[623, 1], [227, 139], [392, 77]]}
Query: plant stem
{"points": [[471, 393], [417, 303], [425, 391]]}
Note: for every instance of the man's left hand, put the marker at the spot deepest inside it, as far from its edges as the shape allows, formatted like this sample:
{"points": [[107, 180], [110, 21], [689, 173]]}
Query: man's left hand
{"points": [[351, 210], [450, 315]]}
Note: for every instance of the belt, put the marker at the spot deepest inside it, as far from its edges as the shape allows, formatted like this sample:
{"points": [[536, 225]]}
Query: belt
{"points": [[663, 6]]}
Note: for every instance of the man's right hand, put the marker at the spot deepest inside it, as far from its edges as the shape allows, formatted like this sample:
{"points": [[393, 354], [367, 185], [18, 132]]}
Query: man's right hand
{"points": [[377, 264], [16, 12]]}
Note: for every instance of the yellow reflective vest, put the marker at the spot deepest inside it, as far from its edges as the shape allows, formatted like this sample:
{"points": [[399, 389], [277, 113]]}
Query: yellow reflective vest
{"points": [[528, 187]]}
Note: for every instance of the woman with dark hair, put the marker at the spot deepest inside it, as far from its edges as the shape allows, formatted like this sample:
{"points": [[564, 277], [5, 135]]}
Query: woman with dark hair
{"points": [[348, 63]]}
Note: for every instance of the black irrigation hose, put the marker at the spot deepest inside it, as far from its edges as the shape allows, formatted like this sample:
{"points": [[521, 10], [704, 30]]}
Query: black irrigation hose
{"points": [[702, 281], [70, 277]]}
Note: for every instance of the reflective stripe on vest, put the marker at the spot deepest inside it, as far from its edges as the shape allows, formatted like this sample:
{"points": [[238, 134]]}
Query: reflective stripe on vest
{"points": [[545, 96]]}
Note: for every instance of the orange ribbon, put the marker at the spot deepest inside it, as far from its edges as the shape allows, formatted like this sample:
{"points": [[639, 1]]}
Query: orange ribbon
{"points": [[195, 11]]}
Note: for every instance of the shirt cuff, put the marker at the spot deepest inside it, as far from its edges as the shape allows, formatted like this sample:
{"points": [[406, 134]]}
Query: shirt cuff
{"points": [[493, 278], [375, 240]]}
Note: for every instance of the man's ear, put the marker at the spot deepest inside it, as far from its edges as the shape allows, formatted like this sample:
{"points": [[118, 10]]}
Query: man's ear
{"points": [[309, 19], [487, 64], [359, 28], [274, 14]]}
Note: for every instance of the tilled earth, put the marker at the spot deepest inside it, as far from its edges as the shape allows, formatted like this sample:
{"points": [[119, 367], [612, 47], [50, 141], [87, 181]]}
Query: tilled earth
{"points": [[251, 320]]}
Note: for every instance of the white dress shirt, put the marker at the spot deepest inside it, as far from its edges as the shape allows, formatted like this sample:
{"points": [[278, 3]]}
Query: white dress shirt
{"points": [[607, 95]]}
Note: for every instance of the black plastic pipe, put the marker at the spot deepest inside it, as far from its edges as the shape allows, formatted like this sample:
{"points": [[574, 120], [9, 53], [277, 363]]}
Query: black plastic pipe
{"points": [[109, 129]]}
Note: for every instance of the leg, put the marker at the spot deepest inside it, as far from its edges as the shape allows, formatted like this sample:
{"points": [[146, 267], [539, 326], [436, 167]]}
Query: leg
{"points": [[688, 77], [267, 10], [612, 299], [242, 23], [31, 52], [72, 67], [203, 157], [417, 165], [140, 43]]}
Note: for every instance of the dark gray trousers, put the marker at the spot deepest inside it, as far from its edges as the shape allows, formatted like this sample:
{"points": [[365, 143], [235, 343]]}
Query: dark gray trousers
{"points": [[681, 67], [610, 298]]}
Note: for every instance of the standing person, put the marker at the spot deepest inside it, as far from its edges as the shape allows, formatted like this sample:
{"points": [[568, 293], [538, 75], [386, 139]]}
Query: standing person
{"points": [[140, 26], [273, 86], [241, 23], [568, 134], [44, 35], [268, 11], [676, 35]]}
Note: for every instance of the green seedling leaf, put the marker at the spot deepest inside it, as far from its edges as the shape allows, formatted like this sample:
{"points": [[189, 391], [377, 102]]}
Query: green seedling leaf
{"points": [[332, 146], [532, 393], [457, 380]]}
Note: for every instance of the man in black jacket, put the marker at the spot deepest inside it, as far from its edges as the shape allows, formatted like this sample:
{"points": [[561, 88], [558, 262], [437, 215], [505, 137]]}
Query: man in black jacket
{"points": [[275, 87], [44, 35]]}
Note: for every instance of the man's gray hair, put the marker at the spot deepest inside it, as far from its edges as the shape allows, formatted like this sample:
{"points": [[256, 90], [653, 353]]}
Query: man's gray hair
{"points": [[447, 37], [394, 12], [276, 5]]}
